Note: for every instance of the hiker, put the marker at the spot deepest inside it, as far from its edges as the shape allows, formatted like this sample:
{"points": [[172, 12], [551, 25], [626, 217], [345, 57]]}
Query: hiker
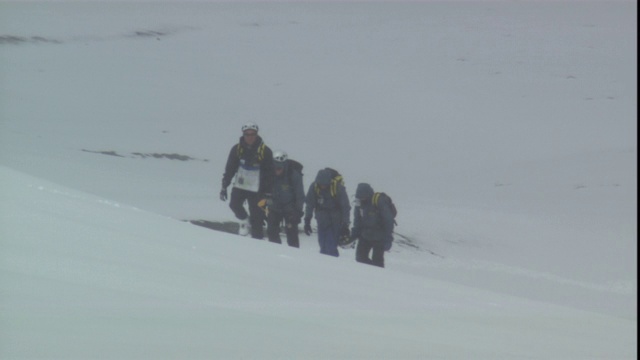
{"points": [[287, 199], [251, 163], [327, 196], [373, 223]]}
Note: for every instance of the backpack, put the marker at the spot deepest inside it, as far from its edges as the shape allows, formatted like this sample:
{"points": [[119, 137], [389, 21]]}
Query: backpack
{"points": [[295, 166], [336, 179], [392, 206]]}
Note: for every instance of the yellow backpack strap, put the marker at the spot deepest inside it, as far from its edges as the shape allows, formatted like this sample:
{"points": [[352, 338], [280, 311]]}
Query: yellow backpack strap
{"points": [[338, 180], [374, 199], [239, 150], [260, 151], [333, 186]]}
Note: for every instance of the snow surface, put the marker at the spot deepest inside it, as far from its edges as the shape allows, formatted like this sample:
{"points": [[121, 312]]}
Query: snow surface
{"points": [[505, 131]]}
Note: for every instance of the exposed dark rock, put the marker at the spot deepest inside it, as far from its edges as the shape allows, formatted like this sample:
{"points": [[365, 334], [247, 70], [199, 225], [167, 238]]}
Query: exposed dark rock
{"points": [[173, 156], [110, 153]]}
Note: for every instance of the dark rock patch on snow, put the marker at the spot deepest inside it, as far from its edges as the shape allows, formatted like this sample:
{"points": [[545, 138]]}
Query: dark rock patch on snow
{"points": [[17, 40], [110, 152], [12, 39], [173, 156]]}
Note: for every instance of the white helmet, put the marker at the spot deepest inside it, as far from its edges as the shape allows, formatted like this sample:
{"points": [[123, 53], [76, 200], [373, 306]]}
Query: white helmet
{"points": [[280, 156], [250, 126]]}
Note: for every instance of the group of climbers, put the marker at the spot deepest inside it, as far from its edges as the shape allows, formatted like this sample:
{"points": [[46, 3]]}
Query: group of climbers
{"points": [[272, 186]]}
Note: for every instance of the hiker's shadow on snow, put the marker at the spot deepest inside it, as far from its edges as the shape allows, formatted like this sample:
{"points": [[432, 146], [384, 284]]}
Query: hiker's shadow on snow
{"points": [[232, 227], [224, 226]]}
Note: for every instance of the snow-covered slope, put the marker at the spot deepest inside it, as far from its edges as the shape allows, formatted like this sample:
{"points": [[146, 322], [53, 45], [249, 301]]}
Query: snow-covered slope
{"points": [[86, 277], [506, 133]]}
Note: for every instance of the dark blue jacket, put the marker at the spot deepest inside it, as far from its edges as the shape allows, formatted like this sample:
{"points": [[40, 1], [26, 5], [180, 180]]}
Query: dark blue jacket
{"points": [[329, 210], [288, 191], [248, 155], [372, 222]]}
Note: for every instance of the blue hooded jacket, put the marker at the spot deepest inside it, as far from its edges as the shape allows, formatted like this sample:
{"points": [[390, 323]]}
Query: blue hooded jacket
{"points": [[329, 210], [288, 191], [371, 222]]}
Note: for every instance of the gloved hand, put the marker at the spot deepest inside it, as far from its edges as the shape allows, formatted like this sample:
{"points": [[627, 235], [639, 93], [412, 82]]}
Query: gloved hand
{"points": [[269, 198], [344, 231], [355, 233], [388, 241], [223, 194], [307, 228]]}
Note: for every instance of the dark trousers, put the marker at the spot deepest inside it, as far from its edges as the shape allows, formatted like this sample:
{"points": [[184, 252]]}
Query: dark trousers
{"points": [[255, 215], [365, 247], [328, 239], [273, 229]]}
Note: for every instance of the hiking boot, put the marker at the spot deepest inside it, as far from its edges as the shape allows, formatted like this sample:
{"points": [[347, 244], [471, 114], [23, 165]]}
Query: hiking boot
{"points": [[244, 227]]}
